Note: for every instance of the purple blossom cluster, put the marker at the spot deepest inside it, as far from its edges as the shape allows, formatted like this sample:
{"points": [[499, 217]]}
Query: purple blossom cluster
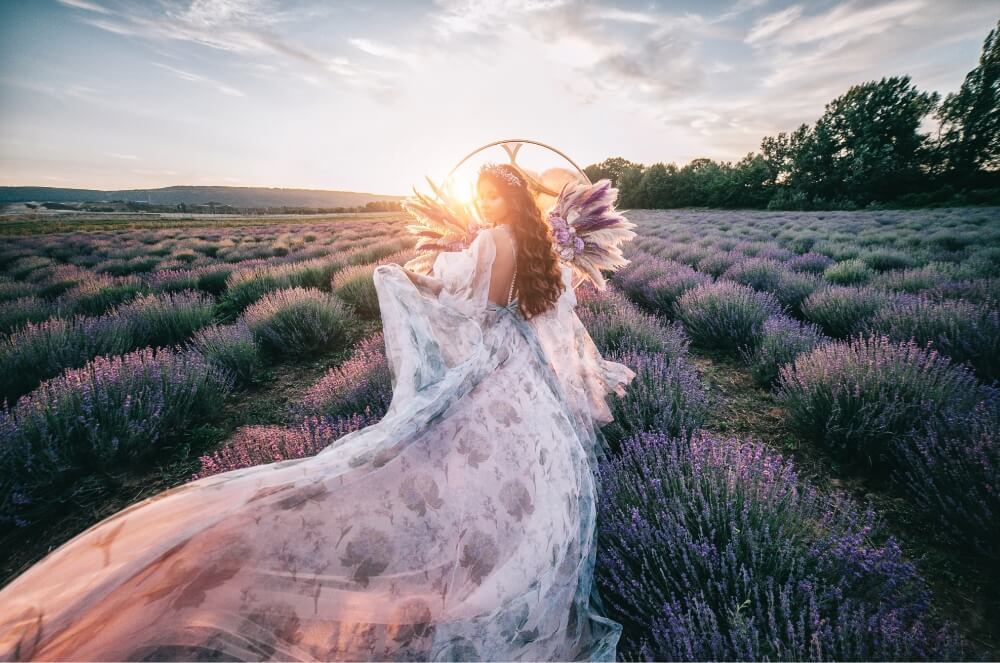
{"points": [[711, 549], [113, 413], [298, 321], [725, 315], [261, 445], [363, 380], [858, 397], [665, 395]]}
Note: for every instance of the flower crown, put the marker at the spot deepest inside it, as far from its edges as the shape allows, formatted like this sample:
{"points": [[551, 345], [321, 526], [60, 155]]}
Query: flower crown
{"points": [[505, 174]]}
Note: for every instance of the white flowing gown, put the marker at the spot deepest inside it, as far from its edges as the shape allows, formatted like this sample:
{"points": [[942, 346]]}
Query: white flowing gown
{"points": [[459, 527]]}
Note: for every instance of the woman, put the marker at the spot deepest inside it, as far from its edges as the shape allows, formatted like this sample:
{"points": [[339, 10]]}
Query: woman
{"points": [[459, 527]]}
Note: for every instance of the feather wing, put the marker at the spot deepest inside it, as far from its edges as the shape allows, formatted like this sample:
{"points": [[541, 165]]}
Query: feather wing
{"points": [[442, 223], [589, 230]]}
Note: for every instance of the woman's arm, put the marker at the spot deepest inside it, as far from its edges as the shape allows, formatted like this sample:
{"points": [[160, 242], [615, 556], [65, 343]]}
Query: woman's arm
{"points": [[428, 282]]}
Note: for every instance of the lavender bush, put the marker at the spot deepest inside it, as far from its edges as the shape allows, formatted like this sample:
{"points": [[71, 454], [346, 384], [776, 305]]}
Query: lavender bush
{"points": [[14, 314], [782, 339], [848, 272], [40, 351], [665, 395], [843, 310], [112, 413], [363, 380], [953, 473], [298, 321], [725, 315], [857, 397], [233, 348], [356, 286], [711, 549], [623, 327], [958, 329], [167, 318], [262, 445]]}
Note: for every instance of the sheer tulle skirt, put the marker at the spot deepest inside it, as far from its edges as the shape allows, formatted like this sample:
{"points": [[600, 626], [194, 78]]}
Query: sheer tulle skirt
{"points": [[459, 527]]}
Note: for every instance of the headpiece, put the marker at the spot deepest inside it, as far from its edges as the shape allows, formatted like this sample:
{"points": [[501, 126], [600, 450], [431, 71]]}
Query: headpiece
{"points": [[506, 174]]}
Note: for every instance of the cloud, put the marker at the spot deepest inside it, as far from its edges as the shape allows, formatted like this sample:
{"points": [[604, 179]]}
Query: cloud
{"points": [[197, 78], [246, 28], [128, 157], [381, 50], [87, 6]]}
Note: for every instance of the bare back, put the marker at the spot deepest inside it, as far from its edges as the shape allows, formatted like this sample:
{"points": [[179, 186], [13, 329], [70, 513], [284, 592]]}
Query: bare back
{"points": [[502, 274]]}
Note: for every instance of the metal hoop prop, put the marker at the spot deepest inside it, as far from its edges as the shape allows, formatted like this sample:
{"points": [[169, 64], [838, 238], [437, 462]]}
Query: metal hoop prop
{"points": [[511, 147]]}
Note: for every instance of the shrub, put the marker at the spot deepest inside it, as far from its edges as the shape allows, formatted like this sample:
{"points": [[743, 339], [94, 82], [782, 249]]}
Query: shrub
{"points": [[37, 352], [113, 412], [848, 272], [356, 286], [233, 348], [857, 397], [953, 474], [666, 394], [813, 263], [842, 310], [623, 327], [166, 318], [711, 549], [882, 260], [781, 340], [958, 329], [298, 321], [14, 314], [262, 445], [364, 379], [100, 294], [725, 315], [758, 273]]}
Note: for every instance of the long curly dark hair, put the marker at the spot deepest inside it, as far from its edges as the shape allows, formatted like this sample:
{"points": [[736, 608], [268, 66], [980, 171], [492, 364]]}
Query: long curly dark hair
{"points": [[538, 282]]}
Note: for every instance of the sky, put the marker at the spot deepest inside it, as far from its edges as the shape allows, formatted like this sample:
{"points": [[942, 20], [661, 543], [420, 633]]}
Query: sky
{"points": [[373, 95]]}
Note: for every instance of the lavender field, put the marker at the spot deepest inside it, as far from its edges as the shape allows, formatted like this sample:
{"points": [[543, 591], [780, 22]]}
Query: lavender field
{"points": [[807, 466]]}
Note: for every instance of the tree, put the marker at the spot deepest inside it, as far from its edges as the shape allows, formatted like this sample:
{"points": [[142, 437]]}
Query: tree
{"points": [[869, 139], [970, 119], [655, 187], [613, 169]]}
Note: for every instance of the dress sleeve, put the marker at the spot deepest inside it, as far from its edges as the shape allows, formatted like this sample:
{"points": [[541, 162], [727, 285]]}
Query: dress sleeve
{"points": [[587, 378], [465, 275]]}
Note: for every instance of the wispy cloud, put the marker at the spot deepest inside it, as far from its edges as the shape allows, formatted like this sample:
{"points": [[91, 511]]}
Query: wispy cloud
{"points": [[86, 6], [127, 157], [198, 78], [243, 27], [381, 50]]}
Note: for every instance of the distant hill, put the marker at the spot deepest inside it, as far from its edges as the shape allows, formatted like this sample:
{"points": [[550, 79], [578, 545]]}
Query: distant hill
{"points": [[237, 196]]}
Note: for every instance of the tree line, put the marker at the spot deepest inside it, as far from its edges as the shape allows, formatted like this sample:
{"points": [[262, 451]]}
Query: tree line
{"points": [[866, 151]]}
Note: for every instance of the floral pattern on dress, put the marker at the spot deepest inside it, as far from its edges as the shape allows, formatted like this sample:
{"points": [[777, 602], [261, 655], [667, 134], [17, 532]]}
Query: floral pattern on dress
{"points": [[459, 527]]}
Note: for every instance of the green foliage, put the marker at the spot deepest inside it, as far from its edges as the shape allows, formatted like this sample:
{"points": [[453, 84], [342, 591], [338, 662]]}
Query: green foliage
{"points": [[865, 151]]}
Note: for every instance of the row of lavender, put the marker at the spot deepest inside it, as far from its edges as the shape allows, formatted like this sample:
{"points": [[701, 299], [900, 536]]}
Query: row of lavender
{"points": [[61, 275], [709, 547], [886, 381], [99, 395], [165, 310]]}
